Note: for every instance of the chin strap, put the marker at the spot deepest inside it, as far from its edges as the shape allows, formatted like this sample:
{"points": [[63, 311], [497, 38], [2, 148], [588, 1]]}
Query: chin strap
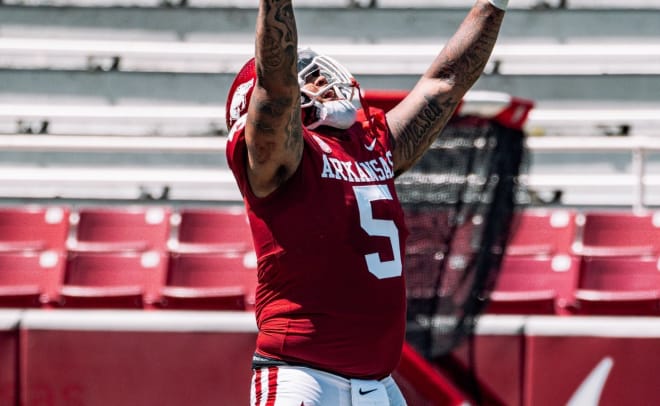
{"points": [[371, 128]]}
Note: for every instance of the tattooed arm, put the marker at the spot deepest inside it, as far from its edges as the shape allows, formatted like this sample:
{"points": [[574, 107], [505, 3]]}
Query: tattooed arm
{"points": [[419, 118], [273, 129]]}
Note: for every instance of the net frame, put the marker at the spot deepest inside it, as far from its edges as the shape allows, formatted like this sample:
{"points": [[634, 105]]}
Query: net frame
{"points": [[463, 193]]}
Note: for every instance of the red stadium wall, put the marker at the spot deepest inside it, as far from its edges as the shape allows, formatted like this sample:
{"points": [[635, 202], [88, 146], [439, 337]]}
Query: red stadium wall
{"points": [[592, 361], [574, 361], [153, 354], [174, 358], [8, 356], [494, 358], [135, 358]]}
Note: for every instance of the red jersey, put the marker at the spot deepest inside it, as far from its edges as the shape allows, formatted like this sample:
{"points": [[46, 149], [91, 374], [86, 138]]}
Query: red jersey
{"points": [[330, 248]]}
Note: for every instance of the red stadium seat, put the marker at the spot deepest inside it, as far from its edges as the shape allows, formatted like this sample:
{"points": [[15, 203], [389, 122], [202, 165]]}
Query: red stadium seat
{"points": [[542, 232], [431, 229], [421, 269], [426, 226], [30, 278], [620, 233], [535, 285], [618, 286], [33, 228], [135, 228], [213, 229], [210, 281], [128, 279]]}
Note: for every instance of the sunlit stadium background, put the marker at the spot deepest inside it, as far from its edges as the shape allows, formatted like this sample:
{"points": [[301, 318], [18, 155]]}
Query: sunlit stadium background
{"points": [[119, 104]]}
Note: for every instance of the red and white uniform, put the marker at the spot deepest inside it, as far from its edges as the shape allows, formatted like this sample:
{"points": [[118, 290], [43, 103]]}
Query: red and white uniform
{"points": [[330, 248]]}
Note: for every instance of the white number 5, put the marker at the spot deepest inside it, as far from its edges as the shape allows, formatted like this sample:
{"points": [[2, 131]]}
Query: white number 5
{"points": [[378, 228]]}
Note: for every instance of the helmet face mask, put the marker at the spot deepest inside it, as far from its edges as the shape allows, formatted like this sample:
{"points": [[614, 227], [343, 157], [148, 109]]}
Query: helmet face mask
{"points": [[338, 113]]}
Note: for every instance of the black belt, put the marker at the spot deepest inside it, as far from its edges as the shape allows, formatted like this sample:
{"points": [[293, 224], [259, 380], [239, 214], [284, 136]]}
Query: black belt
{"points": [[259, 361]]}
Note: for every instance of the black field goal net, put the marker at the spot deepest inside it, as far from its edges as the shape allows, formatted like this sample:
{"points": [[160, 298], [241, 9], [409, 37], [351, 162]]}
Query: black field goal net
{"points": [[459, 202]]}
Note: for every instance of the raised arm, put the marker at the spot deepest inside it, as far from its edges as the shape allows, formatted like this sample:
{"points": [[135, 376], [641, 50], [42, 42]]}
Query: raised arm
{"points": [[273, 129], [420, 117]]}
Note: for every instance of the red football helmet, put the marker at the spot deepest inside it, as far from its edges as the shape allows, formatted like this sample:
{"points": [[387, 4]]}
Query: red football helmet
{"points": [[310, 63]]}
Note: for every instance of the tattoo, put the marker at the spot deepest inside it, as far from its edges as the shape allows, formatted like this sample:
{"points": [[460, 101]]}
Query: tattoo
{"points": [[274, 107], [293, 129], [276, 61], [277, 42], [464, 57], [277, 123], [454, 71], [417, 135], [294, 137]]}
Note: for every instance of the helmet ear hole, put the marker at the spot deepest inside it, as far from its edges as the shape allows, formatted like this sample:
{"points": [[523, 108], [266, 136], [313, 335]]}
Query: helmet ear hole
{"points": [[308, 115], [305, 99]]}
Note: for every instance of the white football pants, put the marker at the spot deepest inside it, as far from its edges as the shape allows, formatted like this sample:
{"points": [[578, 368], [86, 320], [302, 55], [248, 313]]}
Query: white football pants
{"points": [[303, 386]]}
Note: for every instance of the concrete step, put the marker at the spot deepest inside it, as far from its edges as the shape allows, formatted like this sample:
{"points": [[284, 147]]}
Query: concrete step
{"points": [[347, 25]]}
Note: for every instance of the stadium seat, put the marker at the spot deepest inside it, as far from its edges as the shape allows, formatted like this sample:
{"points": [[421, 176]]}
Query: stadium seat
{"points": [[421, 270], [428, 227], [542, 232], [127, 279], [30, 278], [33, 228], [210, 281], [620, 233], [621, 285], [535, 285], [128, 228], [213, 229], [432, 228]]}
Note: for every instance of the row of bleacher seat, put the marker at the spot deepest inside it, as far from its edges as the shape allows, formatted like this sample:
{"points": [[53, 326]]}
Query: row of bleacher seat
{"points": [[561, 262], [601, 285], [568, 262], [217, 280], [565, 231], [126, 257], [588, 233], [558, 261], [123, 228]]}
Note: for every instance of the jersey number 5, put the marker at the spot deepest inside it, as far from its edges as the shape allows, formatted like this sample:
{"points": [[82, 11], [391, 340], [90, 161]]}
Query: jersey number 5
{"points": [[378, 228]]}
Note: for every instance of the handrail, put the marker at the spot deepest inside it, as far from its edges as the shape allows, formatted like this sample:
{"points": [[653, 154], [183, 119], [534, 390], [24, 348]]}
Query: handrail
{"points": [[638, 147]]}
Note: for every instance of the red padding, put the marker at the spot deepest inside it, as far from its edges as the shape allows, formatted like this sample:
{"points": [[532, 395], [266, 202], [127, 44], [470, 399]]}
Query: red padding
{"points": [[428, 383]]}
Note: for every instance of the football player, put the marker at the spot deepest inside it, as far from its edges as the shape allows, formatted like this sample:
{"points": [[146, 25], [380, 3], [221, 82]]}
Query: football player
{"points": [[317, 178]]}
